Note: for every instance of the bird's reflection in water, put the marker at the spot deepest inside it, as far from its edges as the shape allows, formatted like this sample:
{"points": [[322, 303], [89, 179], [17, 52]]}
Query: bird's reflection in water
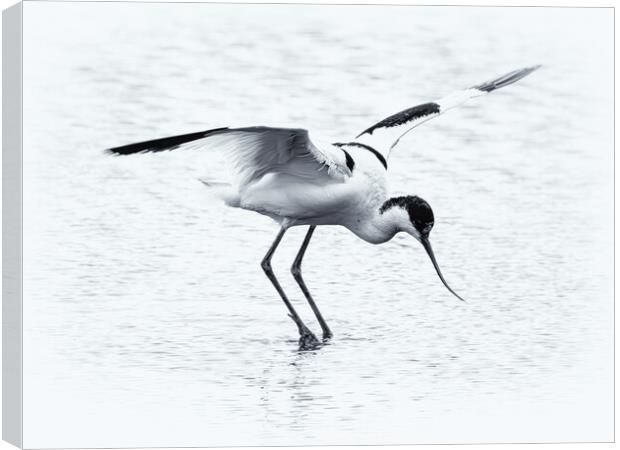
{"points": [[301, 387], [290, 382]]}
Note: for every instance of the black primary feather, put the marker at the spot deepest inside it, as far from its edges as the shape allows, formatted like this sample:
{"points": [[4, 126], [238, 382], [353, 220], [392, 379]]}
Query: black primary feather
{"points": [[404, 116], [167, 143]]}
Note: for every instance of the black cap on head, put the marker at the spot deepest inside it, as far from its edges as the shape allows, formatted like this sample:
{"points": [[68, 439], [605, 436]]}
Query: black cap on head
{"points": [[420, 212]]}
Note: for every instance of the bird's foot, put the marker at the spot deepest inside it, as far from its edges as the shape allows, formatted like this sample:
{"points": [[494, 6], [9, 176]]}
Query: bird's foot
{"points": [[307, 339], [327, 335]]}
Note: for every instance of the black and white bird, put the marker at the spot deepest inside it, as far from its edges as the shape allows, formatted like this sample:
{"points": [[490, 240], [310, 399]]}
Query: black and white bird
{"points": [[281, 173]]}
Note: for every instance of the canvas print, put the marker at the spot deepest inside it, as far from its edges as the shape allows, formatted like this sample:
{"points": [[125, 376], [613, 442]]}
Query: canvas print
{"points": [[278, 224]]}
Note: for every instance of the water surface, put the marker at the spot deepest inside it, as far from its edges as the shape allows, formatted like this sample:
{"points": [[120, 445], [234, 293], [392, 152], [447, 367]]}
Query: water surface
{"points": [[148, 320]]}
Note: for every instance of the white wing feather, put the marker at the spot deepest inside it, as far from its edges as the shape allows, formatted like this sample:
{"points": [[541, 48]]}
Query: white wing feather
{"points": [[253, 152]]}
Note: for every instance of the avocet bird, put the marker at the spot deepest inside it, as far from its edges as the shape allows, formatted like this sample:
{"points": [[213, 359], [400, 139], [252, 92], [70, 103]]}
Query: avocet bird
{"points": [[281, 173]]}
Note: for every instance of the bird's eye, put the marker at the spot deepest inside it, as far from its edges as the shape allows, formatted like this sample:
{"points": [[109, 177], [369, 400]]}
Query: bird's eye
{"points": [[424, 228]]}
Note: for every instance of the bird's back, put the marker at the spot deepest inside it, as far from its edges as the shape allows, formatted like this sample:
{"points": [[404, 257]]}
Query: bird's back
{"points": [[320, 199]]}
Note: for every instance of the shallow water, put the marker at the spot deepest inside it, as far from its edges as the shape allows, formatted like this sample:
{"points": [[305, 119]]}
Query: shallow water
{"points": [[148, 320]]}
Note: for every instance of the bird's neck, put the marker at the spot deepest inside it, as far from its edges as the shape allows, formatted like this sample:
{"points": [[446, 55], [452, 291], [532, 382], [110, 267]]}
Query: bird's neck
{"points": [[377, 228]]}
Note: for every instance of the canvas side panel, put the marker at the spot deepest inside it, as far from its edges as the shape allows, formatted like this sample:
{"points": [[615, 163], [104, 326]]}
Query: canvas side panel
{"points": [[12, 225]]}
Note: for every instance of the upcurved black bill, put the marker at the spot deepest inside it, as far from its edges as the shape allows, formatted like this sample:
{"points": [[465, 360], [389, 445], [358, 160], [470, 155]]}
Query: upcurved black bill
{"points": [[427, 246]]}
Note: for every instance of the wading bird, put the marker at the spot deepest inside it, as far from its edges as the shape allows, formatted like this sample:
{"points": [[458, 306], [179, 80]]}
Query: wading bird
{"points": [[281, 173]]}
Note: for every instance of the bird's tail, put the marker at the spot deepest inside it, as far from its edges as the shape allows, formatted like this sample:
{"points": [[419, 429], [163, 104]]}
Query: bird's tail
{"points": [[223, 191]]}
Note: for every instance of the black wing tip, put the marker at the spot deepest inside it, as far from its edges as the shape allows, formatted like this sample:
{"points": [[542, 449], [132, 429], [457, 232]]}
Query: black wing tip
{"points": [[124, 150], [162, 144], [141, 147], [405, 116], [507, 79]]}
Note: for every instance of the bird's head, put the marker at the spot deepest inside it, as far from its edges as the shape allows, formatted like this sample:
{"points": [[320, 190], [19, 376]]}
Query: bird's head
{"points": [[414, 216]]}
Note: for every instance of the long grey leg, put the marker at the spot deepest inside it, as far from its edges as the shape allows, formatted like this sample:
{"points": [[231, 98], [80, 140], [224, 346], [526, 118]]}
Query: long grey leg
{"points": [[307, 339], [296, 271]]}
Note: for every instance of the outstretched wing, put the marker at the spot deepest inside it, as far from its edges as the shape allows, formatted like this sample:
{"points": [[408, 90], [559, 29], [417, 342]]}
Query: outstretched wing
{"points": [[255, 151], [384, 135]]}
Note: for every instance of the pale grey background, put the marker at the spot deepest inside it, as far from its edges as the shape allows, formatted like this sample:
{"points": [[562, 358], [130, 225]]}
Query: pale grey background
{"points": [[147, 318]]}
